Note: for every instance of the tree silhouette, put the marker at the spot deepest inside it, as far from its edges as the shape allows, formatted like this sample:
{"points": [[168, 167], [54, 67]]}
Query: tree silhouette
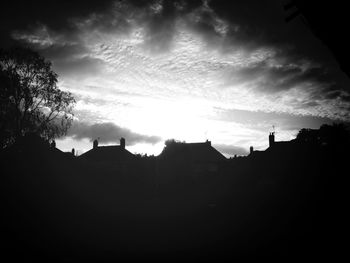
{"points": [[335, 134], [30, 100]]}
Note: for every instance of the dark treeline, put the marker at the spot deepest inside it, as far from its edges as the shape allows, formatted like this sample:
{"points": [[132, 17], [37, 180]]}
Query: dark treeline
{"points": [[287, 202]]}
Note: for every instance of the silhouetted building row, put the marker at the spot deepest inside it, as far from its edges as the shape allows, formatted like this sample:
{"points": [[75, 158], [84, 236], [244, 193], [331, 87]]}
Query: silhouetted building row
{"points": [[199, 157]]}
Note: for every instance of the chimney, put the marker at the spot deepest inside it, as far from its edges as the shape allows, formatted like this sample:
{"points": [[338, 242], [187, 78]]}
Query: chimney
{"points": [[208, 142], [95, 144], [122, 143], [251, 149], [271, 138], [53, 144]]}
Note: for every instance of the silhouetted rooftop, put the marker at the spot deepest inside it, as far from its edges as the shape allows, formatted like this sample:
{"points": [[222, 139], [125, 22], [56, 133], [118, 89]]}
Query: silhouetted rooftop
{"points": [[107, 154], [196, 152]]}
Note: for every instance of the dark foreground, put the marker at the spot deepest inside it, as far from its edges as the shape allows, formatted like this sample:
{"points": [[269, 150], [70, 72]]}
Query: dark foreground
{"points": [[283, 208]]}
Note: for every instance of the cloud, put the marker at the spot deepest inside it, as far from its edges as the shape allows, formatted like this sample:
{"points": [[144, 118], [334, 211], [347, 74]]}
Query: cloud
{"points": [[265, 120], [54, 13], [108, 132], [247, 24], [78, 66], [270, 75], [266, 77], [230, 150], [235, 52], [64, 49]]}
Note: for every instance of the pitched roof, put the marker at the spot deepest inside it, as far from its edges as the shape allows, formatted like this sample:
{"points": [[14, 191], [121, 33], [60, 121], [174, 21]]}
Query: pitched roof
{"points": [[107, 154], [282, 146], [195, 152]]}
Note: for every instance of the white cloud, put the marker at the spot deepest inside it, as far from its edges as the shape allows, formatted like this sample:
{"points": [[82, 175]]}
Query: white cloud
{"points": [[108, 132]]}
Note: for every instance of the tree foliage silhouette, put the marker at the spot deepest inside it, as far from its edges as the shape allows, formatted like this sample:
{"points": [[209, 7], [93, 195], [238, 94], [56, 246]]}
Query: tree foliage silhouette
{"points": [[30, 100], [335, 134]]}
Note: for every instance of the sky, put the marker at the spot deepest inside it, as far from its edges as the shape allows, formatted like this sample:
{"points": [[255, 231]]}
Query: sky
{"points": [[225, 71]]}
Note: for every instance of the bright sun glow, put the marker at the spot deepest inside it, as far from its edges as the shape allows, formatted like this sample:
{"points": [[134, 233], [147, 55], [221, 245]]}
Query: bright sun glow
{"points": [[181, 119]]}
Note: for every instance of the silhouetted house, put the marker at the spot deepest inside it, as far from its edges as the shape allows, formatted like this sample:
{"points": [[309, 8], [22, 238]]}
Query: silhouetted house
{"points": [[32, 146], [256, 154], [115, 155], [282, 147], [276, 149], [285, 150], [195, 157]]}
